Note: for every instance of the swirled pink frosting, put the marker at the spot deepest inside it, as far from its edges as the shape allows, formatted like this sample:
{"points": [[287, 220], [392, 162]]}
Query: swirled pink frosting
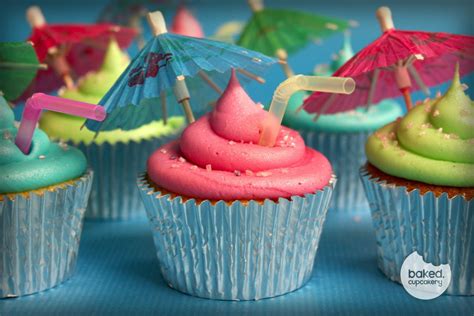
{"points": [[218, 157]]}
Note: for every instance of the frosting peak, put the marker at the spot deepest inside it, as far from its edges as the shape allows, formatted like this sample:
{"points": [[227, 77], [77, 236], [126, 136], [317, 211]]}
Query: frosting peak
{"points": [[236, 116], [218, 157], [433, 143]]}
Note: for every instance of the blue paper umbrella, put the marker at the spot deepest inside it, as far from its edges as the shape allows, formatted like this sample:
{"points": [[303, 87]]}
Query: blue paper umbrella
{"points": [[174, 68]]}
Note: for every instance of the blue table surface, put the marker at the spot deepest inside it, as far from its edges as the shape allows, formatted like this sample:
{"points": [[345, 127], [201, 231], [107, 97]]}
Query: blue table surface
{"points": [[118, 273], [117, 270]]}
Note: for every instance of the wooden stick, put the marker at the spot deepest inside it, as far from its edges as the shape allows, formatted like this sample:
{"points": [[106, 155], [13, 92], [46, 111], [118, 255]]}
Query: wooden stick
{"points": [[255, 5], [188, 111], [157, 23], [418, 80], [209, 81], [181, 93], [251, 75], [407, 97], [164, 109], [384, 15], [13, 65], [35, 17], [325, 106], [373, 85], [283, 55]]}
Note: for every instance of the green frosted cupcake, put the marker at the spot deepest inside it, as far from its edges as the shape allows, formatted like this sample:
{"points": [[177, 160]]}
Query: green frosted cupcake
{"points": [[117, 154]]}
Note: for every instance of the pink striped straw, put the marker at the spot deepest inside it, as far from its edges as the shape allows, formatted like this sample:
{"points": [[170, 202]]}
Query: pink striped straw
{"points": [[40, 101]]}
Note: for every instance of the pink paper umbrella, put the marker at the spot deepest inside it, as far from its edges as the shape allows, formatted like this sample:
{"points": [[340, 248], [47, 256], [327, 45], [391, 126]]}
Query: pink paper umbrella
{"points": [[39, 102], [184, 23], [384, 69], [70, 50]]}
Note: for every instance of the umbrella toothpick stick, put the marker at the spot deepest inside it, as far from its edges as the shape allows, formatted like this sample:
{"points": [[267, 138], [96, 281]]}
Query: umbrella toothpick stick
{"points": [[164, 108], [158, 26], [39, 102], [251, 75], [283, 56], [272, 124], [373, 85], [36, 19], [209, 81], [384, 15], [182, 96]]}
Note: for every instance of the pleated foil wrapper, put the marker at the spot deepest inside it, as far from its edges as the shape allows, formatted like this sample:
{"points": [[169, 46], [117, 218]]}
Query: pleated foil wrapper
{"points": [[114, 194], [39, 237], [236, 251], [346, 152], [439, 228]]}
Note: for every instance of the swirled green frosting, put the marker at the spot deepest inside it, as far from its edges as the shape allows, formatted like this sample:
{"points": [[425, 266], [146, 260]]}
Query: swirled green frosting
{"points": [[47, 163], [433, 143]]}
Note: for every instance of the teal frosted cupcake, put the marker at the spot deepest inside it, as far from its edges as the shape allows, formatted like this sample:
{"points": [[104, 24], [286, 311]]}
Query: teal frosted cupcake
{"points": [[341, 137], [419, 181], [43, 198]]}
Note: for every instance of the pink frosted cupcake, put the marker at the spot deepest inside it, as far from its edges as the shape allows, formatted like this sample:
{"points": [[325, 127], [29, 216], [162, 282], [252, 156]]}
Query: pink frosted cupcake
{"points": [[232, 219]]}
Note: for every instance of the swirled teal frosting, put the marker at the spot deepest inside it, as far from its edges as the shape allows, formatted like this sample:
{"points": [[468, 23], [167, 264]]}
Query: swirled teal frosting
{"points": [[47, 163]]}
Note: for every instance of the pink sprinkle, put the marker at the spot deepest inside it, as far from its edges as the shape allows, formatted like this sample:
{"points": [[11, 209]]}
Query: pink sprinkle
{"points": [[173, 157], [193, 167], [428, 108], [249, 172], [402, 153], [438, 94], [284, 170], [231, 142], [181, 159], [7, 135], [264, 173], [174, 165], [436, 113], [447, 136], [426, 100], [237, 173], [163, 151], [293, 145], [471, 141], [208, 167], [464, 87], [409, 125], [251, 143]]}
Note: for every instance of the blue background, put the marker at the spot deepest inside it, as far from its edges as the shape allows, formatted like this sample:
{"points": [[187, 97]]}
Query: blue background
{"points": [[117, 269]]}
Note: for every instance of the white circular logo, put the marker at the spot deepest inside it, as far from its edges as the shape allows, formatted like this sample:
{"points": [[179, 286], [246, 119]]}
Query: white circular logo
{"points": [[424, 280]]}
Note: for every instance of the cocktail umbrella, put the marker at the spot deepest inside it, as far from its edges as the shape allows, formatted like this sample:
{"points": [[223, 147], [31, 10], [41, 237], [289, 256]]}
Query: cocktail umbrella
{"points": [[277, 32], [171, 62], [70, 49], [184, 23], [18, 67], [384, 69]]}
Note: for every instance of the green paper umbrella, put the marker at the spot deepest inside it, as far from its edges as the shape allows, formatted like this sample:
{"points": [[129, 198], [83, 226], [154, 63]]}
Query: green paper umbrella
{"points": [[279, 32], [18, 67]]}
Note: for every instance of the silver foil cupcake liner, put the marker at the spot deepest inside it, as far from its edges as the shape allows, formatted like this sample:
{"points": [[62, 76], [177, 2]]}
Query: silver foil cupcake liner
{"points": [[346, 152], [39, 237], [238, 250], [439, 228], [114, 194]]}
